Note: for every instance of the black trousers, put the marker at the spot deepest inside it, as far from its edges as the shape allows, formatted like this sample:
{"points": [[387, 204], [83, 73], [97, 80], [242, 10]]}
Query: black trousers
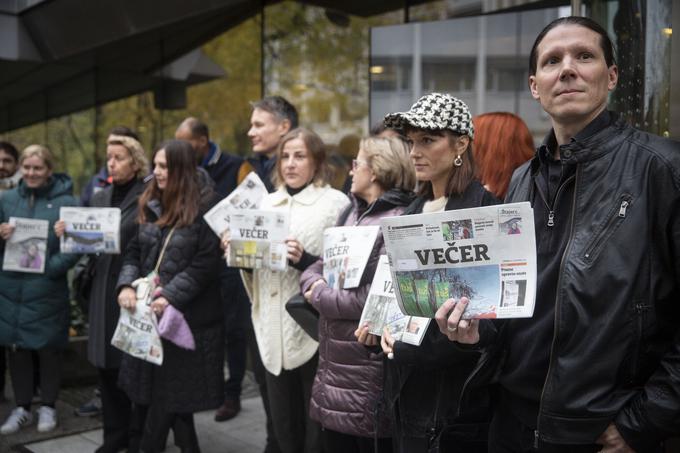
{"points": [[22, 373], [447, 442], [272, 445], [289, 395], [3, 370], [335, 442], [150, 426], [116, 412], [237, 320]]}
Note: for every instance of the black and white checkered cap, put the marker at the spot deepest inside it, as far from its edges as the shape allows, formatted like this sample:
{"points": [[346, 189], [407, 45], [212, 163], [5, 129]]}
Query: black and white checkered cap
{"points": [[435, 111]]}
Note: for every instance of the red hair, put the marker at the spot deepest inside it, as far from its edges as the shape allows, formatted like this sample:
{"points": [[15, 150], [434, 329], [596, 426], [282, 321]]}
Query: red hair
{"points": [[502, 143]]}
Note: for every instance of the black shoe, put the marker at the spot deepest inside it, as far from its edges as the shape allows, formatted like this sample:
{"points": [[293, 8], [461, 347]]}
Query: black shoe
{"points": [[228, 410]]}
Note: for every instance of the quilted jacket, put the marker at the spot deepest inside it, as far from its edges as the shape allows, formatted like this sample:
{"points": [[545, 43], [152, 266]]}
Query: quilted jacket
{"points": [[187, 381], [347, 391]]}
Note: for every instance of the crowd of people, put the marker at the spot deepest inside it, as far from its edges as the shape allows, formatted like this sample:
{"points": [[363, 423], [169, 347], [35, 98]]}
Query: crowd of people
{"points": [[595, 369]]}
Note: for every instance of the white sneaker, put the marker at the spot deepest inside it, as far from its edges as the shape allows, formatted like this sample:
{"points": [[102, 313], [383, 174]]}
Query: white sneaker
{"points": [[47, 419], [19, 418]]}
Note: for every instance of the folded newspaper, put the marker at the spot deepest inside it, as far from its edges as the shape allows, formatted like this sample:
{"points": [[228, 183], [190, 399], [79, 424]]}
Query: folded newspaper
{"points": [[382, 310], [247, 195], [486, 254], [346, 251], [258, 239], [26, 249], [90, 230], [137, 332]]}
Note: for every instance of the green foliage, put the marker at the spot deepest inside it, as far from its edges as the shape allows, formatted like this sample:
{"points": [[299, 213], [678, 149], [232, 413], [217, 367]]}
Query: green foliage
{"points": [[320, 66]]}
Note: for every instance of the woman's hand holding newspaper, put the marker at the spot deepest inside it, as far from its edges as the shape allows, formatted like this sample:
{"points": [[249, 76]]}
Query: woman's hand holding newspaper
{"points": [[450, 322]]}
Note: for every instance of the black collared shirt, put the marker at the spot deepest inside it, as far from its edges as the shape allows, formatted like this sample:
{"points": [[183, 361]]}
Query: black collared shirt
{"points": [[530, 339]]}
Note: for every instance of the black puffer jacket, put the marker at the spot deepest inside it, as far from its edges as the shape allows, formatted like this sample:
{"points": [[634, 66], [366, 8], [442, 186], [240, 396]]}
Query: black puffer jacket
{"points": [[423, 384], [188, 381], [616, 348]]}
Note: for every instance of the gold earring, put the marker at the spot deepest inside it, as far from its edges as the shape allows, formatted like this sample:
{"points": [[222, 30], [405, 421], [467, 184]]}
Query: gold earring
{"points": [[458, 161]]}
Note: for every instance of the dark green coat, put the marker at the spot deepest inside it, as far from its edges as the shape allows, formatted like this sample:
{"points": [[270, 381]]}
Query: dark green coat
{"points": [[34, 308]]}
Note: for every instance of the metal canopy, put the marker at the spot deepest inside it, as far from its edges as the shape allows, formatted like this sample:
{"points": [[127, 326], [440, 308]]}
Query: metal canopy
{"points": [[61, 56]]}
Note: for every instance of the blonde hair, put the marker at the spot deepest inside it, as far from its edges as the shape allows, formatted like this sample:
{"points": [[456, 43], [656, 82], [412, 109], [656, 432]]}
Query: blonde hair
{"points": [[316, 151], [389, 159], [40, 151], [136, 152]]}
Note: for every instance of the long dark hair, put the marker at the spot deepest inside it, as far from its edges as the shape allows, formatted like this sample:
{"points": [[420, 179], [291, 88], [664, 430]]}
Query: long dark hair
{"points": [[181, 197]]}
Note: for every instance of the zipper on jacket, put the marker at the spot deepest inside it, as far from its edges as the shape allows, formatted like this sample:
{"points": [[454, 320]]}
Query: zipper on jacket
{"points": [[366, 212], [535, 439], [640, 309], [615, 216], [557, 302], [551, 208]]}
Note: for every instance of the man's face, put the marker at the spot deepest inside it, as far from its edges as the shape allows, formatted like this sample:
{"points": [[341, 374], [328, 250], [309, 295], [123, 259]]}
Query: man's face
{"points": [[8, 166], [199, 144], [572, 79], [266, 131]]}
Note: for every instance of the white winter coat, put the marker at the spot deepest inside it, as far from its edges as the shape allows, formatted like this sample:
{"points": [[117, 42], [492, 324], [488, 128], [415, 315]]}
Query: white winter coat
{"points": [[281, 341]]}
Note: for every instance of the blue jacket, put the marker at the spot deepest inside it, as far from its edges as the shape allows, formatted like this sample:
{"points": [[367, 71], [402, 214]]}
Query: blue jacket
{"points": [[34, 308]]}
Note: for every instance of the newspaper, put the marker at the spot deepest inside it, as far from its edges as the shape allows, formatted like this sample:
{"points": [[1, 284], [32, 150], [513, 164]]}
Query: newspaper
{"points": [[382, 310], [247, 195], [26, 249], [90, 230], [346, 251], [258, 239], [486, 254], [137, 332]]}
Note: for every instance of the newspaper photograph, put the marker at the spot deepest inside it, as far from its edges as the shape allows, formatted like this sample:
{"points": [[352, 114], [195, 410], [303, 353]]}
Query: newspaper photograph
{"points": [[382, 310], [137, 332], [346, 251], [258, 239], [486, 254], [90, 230], [247, 195], [26, 249]]}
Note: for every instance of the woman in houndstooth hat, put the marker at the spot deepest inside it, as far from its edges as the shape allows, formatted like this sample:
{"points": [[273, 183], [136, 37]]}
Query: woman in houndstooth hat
{"points": [[423, 384]]}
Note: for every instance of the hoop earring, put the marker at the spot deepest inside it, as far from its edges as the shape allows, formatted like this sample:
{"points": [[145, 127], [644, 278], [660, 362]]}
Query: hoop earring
{"points": [[458, 161]]}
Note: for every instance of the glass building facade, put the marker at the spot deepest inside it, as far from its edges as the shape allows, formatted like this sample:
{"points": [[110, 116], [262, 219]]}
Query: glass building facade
{"points": [[344, 72]]}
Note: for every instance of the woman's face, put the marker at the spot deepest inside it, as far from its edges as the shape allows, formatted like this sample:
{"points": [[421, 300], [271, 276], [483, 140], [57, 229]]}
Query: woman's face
{"points": [[119, 162], [297, 167], [32, 250], [35, 172], [432, 155], [361, 175], [160, 169]]}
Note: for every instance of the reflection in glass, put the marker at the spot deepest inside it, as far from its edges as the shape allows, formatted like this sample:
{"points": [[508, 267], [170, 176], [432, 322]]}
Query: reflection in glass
{"points": [[482, 60], [640, 31]]}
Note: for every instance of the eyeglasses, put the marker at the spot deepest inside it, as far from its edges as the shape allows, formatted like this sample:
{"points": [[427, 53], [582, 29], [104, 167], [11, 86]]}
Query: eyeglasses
{"points": [[356, 163]]}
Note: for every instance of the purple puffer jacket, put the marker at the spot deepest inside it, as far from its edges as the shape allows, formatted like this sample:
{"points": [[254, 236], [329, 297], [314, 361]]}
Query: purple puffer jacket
{"points": [[346, 396]]}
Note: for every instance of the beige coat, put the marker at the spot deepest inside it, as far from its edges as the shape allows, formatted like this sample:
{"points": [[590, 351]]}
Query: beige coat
{"points": [[281, 341]]}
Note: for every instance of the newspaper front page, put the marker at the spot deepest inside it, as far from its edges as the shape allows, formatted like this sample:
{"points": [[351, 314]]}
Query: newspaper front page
{"points": [[137, 332], [258, 239], [382, 310], [26, 249], [346, 251], [90, 230], [486, 254], [247, 195]]}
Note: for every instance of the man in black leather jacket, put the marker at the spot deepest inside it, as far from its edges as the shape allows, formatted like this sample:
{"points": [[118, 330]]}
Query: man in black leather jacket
{"points": [[597, 368]]}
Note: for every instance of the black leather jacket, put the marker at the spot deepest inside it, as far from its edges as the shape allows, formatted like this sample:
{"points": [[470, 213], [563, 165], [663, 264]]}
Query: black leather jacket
{"points": [[615, 355]]}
